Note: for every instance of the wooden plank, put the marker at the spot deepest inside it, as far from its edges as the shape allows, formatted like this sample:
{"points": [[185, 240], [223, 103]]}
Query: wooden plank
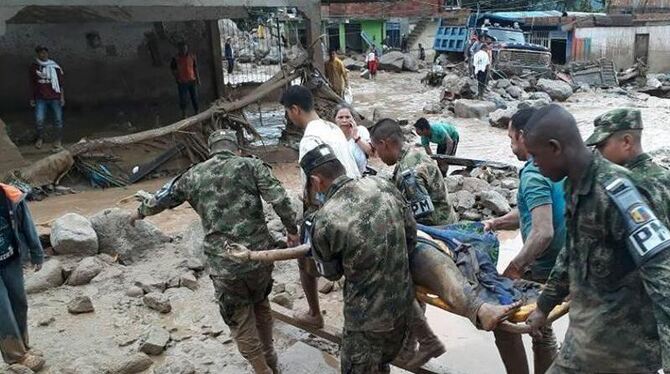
{"points": [[329, 333]]}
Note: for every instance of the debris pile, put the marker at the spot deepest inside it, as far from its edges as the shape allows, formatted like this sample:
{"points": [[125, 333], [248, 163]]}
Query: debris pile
{"points": [[483, 193]]}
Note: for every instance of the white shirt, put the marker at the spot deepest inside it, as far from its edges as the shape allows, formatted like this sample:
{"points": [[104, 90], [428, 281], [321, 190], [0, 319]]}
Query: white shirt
{"points": [[320, 132], [359, 155], [480, 61]]}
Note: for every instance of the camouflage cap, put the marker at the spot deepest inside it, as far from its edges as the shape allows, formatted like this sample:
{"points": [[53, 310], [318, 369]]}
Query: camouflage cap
{"points": [[615, 120], [221, 135], [317, 157]]}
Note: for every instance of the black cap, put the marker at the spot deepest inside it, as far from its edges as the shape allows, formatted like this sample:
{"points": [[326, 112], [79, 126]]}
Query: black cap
{"points": [[317, 157], [41, 48]]}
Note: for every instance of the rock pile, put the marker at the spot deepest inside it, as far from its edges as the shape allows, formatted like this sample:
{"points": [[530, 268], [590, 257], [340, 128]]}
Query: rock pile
{"points": [[483, 193]]}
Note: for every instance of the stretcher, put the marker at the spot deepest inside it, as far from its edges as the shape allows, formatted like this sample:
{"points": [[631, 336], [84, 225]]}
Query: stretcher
{"points": [[514, 324]]}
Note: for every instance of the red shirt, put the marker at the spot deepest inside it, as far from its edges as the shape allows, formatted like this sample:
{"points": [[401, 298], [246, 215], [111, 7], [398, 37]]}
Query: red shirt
{"points": [[185, 67], [41, 88]]}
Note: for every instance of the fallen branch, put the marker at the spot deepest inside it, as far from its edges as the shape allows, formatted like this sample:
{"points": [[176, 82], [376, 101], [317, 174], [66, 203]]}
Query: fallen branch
{"points": [[242, 253]]}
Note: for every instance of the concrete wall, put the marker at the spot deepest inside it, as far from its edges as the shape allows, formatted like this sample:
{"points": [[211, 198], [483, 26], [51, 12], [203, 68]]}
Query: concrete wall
{"points": [[618, 44], [130, 64]]}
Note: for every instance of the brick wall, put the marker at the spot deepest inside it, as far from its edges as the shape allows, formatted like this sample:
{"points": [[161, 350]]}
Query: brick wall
{"points": [[401, 8]]}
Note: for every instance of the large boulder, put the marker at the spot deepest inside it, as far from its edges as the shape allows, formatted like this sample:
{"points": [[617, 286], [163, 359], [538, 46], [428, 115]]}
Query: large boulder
{"points": [[534, 104], [540, 96], [117, 235], [86, 270], [392, 61], [521, 83], [556, 89], [433, 108], [503, 83], [73, 234], [514, 91], [463, 200], [465, 108], [494, 201], [501, 117], [475, 185], [409, 63], [50, 276], [460, 86]]}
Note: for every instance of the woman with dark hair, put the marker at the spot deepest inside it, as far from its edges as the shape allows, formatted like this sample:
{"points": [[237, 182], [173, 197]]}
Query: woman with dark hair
{"points": [[357, 136]]}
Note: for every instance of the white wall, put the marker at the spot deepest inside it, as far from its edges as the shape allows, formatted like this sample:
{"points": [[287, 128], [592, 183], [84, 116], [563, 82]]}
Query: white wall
{"points": [[618, 44]]}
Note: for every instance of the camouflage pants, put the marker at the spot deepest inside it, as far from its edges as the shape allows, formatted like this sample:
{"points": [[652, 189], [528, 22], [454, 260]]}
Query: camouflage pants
{"points": [[13, 312], [366, 352], [244, 306], [558, 369]]}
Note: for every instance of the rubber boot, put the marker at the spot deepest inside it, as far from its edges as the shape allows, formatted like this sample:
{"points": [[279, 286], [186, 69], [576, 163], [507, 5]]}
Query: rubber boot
{"points": [[512, 352], [259, 365]]}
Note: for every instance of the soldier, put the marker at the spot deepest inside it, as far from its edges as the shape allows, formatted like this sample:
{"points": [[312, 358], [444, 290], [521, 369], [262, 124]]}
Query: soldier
{"points": [[388, 142], [415, 165], [618, 136], [226, 193], [618, 280], [363, 232]]}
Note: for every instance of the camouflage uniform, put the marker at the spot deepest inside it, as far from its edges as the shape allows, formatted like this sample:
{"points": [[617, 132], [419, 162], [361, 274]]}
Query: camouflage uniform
{"points": [[367, 225], [429, 175], [226, 193], [653, 181], [612, 326]]}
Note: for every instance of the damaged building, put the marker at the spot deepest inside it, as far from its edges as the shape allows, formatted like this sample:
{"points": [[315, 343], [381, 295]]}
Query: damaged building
{"points": [[116, 57], [619, 37]]}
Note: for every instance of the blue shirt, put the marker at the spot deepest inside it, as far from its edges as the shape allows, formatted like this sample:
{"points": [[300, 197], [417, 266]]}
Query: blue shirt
{"points": [[536, 190]]}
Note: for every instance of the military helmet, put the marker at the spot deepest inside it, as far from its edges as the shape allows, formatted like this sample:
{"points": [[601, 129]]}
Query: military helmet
{"points": [[317, 157], [218, 136], [615, 120]]}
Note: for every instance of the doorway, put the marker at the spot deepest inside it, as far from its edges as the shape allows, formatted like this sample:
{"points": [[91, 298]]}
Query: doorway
{"points": [[353, 37], [642, 47], [558, 51]]}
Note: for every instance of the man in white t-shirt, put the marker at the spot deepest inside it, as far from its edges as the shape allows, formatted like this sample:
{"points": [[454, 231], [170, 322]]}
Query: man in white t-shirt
{"points": [[481, 62], [299, 105]]}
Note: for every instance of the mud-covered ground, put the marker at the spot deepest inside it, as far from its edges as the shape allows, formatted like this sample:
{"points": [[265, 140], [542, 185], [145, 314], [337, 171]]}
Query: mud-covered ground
{"points": [[86, 343]]}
